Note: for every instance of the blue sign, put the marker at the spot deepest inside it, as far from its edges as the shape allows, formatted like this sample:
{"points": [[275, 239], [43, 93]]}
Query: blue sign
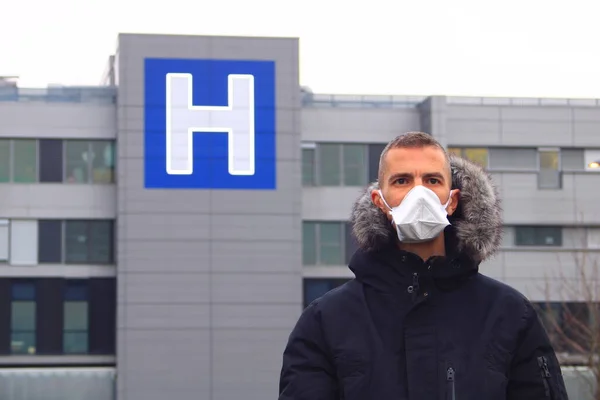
{"points": [[209, 124]]}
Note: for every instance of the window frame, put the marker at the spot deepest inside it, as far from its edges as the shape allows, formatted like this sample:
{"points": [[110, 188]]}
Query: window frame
{"points": [[66, 300], [89, 245], [89, 162], [6, 222], [312, 147], [536, 236], [317, 178], [33, 300], [462, 149], [12, 160], [559, 170], [316, 225], [36, 156]]}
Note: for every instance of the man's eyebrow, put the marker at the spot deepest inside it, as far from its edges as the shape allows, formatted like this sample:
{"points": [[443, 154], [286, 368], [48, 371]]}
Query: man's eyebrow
{"points": [[437, 175], [407, 175], [399, 175]]}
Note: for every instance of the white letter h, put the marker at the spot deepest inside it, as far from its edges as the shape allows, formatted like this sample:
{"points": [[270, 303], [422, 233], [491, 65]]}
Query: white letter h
{"points": [[183, 119]]}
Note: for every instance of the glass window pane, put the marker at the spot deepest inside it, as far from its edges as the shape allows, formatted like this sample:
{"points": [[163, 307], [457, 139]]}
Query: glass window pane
{"points": [[309, 243], [330, 173], [75, 316], [572, 159], [538, 236], [76, 291], [22, 342], [101, 242], [4, 160], [77, 161], [51, 160], [330, 244], [330, 232], [549, 160], [75, 342], [23, 291], [355, 168], [22, 316], [513, 158], [25, 161], [308, 167], [76, 242], [524, 236], [49, 242], [4, 240], [478, 156], [549, 236], [103, 161]]}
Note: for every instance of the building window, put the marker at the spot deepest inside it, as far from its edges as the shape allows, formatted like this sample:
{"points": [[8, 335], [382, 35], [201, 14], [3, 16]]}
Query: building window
{"points": [[83, 241], [323, 243], [89, 161], [23, 242], [18, 160], [473, 154], [76, 318], [330, 164], [336, 164], [538, 236], [315, 288], [4, 240], [592, 160], [25, 161], [308, 166], [51, 160], [593, 238], [50, 241], [88, 242], [513, 159], [23, 318], [549, 175]]}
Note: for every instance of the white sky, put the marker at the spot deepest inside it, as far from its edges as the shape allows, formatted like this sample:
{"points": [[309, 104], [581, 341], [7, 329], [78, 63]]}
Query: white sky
{"points": [[538, 48]]}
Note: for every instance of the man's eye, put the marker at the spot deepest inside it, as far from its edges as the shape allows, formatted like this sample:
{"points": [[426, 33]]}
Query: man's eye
{"points": [[434, 181], [401, 181]]}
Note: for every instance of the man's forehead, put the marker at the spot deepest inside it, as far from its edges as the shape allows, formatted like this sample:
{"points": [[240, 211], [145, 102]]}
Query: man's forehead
{"points": [[424, 160]]}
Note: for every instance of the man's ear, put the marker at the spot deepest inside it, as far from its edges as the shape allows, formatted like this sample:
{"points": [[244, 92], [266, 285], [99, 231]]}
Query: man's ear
{"points": [[454, 199], [378, 201]]}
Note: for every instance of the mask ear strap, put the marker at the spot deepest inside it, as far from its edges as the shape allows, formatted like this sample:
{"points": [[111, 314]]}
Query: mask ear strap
{"points": [[383, 199], [449, 199]]}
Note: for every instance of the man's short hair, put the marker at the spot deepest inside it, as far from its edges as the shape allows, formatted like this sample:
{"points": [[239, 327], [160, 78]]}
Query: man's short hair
{"points": [[410, 140]]}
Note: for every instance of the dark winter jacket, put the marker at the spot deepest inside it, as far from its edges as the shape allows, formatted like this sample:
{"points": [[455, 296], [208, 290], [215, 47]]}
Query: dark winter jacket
{"points": [[405, 328]]}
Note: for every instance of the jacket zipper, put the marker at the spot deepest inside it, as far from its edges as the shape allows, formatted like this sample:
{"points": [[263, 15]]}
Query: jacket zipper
{"points": [[451, 384], [545, 372]]}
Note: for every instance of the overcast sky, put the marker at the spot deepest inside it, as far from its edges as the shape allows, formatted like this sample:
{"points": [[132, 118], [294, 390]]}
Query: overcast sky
{"points": [[457, 47]]}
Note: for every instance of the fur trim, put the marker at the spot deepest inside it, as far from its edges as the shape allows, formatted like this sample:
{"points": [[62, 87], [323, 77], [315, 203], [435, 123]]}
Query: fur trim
{"points": [[477, 221]]}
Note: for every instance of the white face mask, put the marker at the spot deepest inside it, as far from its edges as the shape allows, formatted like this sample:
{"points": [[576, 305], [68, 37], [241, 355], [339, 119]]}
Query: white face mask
{"points": [[420, 217]]}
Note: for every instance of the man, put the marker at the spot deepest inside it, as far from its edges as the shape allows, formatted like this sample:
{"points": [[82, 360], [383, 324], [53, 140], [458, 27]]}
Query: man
{"points": [[419, 322]]}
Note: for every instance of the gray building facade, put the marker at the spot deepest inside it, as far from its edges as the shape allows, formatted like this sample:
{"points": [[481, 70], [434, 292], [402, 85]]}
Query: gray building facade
{"points": [[207, 283]]}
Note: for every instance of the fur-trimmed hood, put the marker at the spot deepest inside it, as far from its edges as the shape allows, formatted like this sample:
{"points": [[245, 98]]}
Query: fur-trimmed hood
{"points": [[476, 223]]}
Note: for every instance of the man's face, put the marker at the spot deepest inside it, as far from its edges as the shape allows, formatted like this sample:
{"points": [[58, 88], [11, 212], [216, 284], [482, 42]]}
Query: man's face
{"points": [[405, 168]]}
